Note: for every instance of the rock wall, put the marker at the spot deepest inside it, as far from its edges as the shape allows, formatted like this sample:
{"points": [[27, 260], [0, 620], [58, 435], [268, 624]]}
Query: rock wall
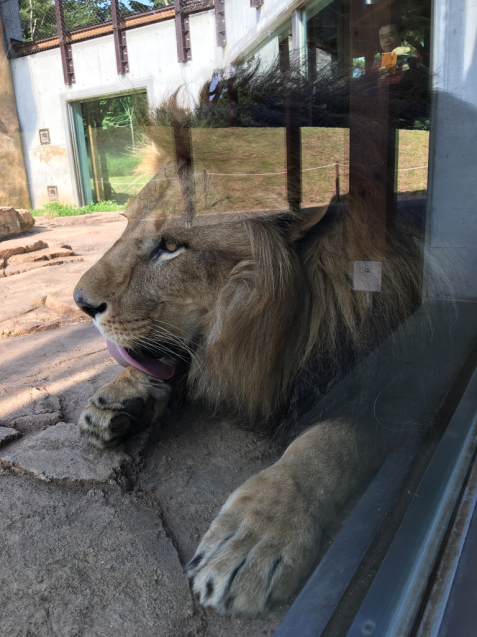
{"points": [[13, 180]]}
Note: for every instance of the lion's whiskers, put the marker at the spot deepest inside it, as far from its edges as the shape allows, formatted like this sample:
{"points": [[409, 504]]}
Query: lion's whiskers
{"points": [[163, 349], [163, 331], [160, 348], [178, 338]]}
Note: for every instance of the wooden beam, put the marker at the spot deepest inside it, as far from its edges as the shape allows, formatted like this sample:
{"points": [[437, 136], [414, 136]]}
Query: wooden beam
{"points": [[184, 52], [185, 169], [95, 160], [372, 175], [20, 49], [120, 44], [293, 151], [220, 22], [65, 45]]}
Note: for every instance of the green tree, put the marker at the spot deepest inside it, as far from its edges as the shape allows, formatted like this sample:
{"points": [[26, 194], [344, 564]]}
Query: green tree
{"points": [[84, 13], [416, 20], [131, 7], [38, 19], [117, 112], [123, 111]]}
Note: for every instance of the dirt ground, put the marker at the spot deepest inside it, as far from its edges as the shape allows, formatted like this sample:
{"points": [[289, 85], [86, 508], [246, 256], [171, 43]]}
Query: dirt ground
{"points": [[93, 544]]}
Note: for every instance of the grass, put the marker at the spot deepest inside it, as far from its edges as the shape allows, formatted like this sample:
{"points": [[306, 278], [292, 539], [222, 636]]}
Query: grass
{"points": [[413, 151], [58, 209], [128, 184], [232, 152], [263, 151], [120, 165]]}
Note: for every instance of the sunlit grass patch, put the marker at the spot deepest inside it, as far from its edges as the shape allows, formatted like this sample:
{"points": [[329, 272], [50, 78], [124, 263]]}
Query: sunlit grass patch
{"points": [[58, 209]]}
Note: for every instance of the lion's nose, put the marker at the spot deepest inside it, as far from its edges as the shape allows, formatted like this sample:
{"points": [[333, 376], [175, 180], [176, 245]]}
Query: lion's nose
{"points": [[87, 307]]}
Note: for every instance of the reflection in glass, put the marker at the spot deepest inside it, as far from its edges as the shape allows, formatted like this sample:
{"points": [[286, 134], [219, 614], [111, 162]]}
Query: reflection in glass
{"points": [[108, 139]]}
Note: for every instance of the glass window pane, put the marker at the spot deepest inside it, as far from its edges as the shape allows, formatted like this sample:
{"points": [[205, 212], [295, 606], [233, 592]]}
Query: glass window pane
{"points": [[261, 221], [110, 134]]}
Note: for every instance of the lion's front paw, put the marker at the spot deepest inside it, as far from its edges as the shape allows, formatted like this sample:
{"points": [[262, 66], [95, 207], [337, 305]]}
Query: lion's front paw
{"points": [[259, 548], [126, 405]]}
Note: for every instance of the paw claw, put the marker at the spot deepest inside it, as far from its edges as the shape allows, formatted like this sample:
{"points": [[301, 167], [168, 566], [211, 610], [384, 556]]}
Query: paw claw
{"points": [[209, 587], [258, 549], [194, 563]]}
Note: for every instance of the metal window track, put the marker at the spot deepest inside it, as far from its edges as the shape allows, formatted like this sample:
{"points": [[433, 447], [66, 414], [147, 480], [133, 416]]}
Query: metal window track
{"points": [[396, 598]]}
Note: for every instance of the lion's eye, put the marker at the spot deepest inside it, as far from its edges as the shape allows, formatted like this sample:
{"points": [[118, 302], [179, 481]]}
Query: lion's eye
{"points": [[171, 246], [166, 246]]}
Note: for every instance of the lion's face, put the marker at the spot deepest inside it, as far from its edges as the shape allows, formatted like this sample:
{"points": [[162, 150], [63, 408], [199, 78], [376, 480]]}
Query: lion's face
{"points": [[154, 288], [224, 299]]}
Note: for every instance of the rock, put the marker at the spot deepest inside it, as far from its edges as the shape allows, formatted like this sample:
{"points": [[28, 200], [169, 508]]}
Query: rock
{"points": [[13, 222], [7, 434], [38, 245], [28, 219], [36, 422], [79, 562], [63, 309], [32, 327], [58, 453], [37, 410], [20, 268], [42, 255], [46, 313], [32, 247]]}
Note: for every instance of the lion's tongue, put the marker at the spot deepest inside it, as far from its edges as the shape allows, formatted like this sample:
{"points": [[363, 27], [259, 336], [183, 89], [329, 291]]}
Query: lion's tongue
{"points": [[144, 362]]}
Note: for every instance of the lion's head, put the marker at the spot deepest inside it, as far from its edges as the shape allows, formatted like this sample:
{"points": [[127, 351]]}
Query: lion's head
{"points": [[223, 298], [239, 303]]}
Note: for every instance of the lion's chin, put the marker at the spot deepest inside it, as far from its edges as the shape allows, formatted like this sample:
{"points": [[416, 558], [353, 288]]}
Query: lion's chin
{"points": [[145, 362]]}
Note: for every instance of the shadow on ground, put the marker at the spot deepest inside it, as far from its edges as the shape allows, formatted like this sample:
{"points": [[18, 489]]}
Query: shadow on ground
{"points": [[94, 543]]}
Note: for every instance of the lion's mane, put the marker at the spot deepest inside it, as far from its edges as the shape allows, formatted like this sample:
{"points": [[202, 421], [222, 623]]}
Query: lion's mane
{"points": [[290, 310]]}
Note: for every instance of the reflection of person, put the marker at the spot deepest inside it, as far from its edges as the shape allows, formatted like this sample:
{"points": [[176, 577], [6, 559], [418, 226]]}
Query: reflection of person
{"points": [[390, 39]]}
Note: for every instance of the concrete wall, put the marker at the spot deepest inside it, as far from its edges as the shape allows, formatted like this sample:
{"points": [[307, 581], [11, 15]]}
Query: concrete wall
{"points": [[452, 213], [42, 96], [38, 81], [248, 27]]}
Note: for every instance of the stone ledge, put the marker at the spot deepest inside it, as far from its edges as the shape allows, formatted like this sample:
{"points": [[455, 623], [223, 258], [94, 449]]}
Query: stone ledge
{"points": [[60, 454], [22, 249], [7, 434]]}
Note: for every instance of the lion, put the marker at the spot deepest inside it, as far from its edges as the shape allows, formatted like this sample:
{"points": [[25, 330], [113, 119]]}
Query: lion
{"points": [[237, 310]]}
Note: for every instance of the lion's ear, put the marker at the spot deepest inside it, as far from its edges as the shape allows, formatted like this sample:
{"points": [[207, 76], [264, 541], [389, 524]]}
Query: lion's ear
{"points": [[304, 221]]}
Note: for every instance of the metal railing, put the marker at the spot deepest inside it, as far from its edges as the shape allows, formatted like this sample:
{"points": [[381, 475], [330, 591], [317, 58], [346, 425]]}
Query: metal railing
{"points": [[32, 26]]}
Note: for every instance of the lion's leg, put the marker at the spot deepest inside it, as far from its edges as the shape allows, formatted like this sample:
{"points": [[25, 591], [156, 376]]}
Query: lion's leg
{"points": [[132, 401], [266, 537]]}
